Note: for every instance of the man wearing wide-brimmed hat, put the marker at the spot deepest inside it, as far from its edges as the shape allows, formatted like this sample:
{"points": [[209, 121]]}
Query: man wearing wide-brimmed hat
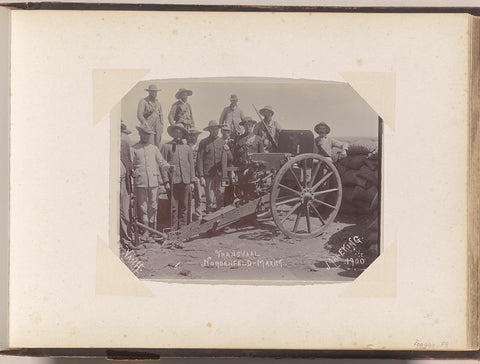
{"points": [[248, 142], [209, 162], [181, 111], [268, 129], [178, 153], [149, 112], [324, 143], [231, 116], [149, 169]]}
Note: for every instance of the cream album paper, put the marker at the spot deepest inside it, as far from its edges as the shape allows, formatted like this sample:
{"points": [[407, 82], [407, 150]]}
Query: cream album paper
{"points": [[399, 79]]}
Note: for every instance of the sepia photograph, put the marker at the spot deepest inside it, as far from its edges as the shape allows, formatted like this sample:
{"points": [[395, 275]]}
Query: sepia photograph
{"points": [[249, 180]]}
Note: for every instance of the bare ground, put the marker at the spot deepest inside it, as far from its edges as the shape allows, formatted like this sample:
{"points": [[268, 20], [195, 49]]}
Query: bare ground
{"points": [[252, 250]]}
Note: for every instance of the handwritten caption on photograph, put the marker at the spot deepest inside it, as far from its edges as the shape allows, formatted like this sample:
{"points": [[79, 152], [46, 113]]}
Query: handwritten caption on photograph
{"points": [[239, 259], [133, 261], [349, 253]]}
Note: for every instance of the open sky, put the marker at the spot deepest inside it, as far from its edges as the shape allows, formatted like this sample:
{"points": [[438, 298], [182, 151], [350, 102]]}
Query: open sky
{"points": [[298, 104]]}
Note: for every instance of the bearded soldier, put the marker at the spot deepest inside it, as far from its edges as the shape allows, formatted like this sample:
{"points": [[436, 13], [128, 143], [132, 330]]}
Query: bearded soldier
{"points": [[149, 112], [181, 111]]}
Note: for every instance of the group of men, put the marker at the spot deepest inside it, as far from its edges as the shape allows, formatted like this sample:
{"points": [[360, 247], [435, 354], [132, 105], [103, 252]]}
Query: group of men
{"points": [[182, 167]]}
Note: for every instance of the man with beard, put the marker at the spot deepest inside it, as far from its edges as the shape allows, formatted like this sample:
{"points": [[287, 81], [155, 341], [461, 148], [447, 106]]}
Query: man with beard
{"points": [[179, 154], [209, 161], [248, 142], [232, 116], [148, 168], [149, 112], [181, 111], [268, 129]]}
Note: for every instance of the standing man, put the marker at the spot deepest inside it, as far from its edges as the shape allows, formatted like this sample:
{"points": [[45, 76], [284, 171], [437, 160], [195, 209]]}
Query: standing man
{"points": [[209, 161], [149, 112], [126, 169], [324, 143], [196, 207], [148, 168], [268, 129], [248, 142], [179, 154], [181, 111], [231, 116]]}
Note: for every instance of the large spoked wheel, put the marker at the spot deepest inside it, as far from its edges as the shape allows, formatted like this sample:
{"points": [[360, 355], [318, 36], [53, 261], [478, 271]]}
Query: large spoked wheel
{"points": [[306, 196]]}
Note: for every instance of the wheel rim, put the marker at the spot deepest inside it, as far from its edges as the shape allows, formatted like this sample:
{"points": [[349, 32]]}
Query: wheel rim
{"points": [[306, 196]]}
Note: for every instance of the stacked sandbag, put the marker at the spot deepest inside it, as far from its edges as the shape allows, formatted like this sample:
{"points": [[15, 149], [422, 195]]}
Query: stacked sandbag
{"points": [[359, 174]]}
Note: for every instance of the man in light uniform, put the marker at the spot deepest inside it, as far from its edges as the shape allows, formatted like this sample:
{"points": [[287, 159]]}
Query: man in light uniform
{"points": [[232, 116], [149, 112], [148, 168], [324, 143]]}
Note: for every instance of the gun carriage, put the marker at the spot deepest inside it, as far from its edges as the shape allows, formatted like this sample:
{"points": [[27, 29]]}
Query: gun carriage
{"points": [[299, 189]]}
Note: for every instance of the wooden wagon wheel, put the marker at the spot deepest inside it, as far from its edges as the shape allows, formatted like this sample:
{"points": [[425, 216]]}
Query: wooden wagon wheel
{"points": [[306, 196]]}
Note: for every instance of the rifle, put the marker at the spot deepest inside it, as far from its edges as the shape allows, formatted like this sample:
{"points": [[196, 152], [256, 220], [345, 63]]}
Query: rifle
{"points": [[270, 137]]}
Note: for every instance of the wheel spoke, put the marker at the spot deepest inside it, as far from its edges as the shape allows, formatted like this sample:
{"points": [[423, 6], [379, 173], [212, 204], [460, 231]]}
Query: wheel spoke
{"points": [[307, 215], [288, 188], [314, 174], [327, 176], [296, 179], [317, 213], [294, 199], [324, 203], [305, 173], [325, 191], [292, 210], [297, 220]]}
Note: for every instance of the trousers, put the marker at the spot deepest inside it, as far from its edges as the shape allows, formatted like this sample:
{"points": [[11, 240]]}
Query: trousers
{"points": [[147, 204], [180, 205], [124, 211], [213, 193], [196, 207]]}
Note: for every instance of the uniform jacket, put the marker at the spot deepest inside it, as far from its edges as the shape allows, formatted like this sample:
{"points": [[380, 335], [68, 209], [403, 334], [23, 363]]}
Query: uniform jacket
{"points": [[182, 158], [181, 112], [209, 158], [150, 113], [232, 118], [148, 165]]}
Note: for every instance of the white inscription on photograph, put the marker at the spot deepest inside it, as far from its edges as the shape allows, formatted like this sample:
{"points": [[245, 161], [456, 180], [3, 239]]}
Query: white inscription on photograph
{"points": [[249, 179]]}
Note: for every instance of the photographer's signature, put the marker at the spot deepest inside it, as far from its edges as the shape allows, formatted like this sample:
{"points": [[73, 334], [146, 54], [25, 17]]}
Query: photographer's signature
{"points": [[349, 253]]}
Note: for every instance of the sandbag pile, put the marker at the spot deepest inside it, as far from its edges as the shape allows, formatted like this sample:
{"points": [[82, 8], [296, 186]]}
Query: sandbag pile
{"points": [[359, 174]]}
